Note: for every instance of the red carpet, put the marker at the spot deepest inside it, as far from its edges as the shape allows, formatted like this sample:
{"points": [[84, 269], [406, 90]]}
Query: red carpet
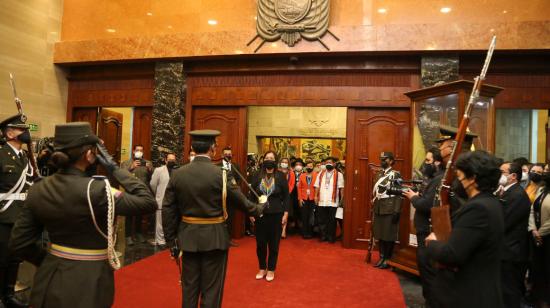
{"points": [[309, 274]]}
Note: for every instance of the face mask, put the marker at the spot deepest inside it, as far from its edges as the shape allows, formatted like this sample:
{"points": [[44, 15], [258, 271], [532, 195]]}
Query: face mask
{"points": [[309, 170], [269, 164], [228, 157], [138, 154], [25, 137], [460, 191], [524, 176], [323, 167], [535, 177], [384, 164], [191, 158], [503, 180], [427, 170], [284, 165], [298, 168], [329, 167], [171, 164]]}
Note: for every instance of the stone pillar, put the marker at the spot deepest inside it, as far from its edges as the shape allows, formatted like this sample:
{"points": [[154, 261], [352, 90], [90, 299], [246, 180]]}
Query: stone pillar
{"points": [[438, 68], [169, 109]]}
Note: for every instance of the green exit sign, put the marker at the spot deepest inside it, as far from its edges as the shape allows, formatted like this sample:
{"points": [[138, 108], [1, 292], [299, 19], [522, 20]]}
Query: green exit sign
{"points": [[33, 127]]}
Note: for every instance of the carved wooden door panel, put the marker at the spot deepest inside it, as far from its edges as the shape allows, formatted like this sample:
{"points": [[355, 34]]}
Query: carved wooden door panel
{"points": [[142, 129], [371, 131], [231, 122], [86, 115], [110, 131]]}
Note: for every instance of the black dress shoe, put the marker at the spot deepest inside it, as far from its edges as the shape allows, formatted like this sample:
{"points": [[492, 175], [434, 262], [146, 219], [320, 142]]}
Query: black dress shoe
{"points": [[380, 261], [12, 301], [384, 265]]}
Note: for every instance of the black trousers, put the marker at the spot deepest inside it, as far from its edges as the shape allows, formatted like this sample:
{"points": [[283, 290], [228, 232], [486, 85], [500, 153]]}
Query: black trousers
{"points": [[512, 275], [268, 237], [327, 222], [541, 271], [132, 225], [230, 219], [425, 268], [9, 265], [306, 212], [203, 273], [386, 249]]}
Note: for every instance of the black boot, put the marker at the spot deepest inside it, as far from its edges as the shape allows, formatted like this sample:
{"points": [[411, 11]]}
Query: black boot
{"points": [[10, 299], [384, 265], [380, 261]]}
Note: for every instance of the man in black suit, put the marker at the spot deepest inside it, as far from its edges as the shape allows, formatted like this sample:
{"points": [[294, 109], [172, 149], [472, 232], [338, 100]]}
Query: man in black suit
{"points": [[516, 208], [232, 169], [194, 212], [433, 170]]}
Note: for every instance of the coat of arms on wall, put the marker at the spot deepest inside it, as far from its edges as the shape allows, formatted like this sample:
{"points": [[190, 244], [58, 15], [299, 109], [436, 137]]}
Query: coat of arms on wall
{"points": [[292, 20]]}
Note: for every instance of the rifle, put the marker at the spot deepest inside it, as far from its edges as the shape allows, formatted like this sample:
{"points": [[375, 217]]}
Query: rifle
{"points": [[371, 240], [30, 153], [440, 212]]}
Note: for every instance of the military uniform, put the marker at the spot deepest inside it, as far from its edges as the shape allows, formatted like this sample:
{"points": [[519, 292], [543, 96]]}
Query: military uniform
{"points": [[15, 179], [193, 212], [74, 272], [387, 209]]}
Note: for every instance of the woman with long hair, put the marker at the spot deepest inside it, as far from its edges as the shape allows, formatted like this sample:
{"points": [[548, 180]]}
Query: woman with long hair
{"points": [[288, 173], [273, 184]]}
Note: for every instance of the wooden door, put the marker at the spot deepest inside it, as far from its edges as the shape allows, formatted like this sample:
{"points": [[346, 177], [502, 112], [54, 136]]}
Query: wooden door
{"points": [[142, 130], [110, 131], [371, 131], [231, 122], [86, 115]]}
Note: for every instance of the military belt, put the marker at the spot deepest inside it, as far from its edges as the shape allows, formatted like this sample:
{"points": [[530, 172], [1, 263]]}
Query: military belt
{"points": [[20, 196], [77, 253], [202, 220]]}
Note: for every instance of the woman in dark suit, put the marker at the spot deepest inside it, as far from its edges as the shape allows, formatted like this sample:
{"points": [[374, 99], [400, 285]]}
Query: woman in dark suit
{"points": [[471, 257], [273, 184]]}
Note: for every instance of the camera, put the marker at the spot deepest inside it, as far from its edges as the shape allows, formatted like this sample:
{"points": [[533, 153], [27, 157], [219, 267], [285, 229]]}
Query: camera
{"points": [[398, 187]]}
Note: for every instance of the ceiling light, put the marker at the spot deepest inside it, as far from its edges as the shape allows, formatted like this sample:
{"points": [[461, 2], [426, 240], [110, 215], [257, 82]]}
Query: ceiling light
{"points": [[149, 14], [382, 11], [239, 52], [445, 10], [111, 30], [170, 27], [504, 12], [212, 22]]}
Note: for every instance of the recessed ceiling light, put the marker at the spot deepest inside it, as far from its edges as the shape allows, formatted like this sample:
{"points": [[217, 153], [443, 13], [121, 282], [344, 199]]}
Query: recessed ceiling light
{"points": [[492, 30], [445, 10], [149, 14], [239, 52], [504, 12], [255, 17], [170, 27], [382, 11], [111, 30], [212, 22]]}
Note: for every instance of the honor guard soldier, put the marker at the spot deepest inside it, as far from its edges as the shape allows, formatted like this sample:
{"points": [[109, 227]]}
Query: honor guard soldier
{"points": [[78, 212], [15, 179], [387, 209], [194, 214]]}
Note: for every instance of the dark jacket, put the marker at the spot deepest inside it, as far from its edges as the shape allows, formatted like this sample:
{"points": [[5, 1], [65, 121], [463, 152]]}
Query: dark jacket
{"points": [[233, 173], [516, 207], [474, 250], [59, 204], [279, 200], [11, 167], [423, 205], [195, 190]]}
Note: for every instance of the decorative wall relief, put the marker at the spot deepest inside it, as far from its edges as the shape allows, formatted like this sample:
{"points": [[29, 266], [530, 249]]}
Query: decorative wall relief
{"points": [[435, 69], [168, 110], [292, 20]]}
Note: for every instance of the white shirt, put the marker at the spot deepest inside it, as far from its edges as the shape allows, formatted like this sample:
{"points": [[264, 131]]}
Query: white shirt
{"points": [[159, 182], [326, 187], [226, 165]]}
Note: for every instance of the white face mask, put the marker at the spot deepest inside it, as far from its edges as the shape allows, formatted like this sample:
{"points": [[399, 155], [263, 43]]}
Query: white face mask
{"points": [[284, 165], [191, 158], [503, 180], [323, 167], [524, 176], [138, 154], [298, 168]]}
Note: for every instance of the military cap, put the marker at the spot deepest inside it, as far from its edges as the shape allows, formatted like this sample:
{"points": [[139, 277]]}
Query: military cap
{"points": [[73, 134], [16, 121], [205, 135], [386, 155], [449, 132]]}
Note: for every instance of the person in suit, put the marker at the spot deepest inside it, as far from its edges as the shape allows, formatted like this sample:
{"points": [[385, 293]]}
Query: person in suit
{"points": [[159, 181], [141, 168], [433, 170], [74, 209], [271, 183], [387, 209], [15, 179], [227, 163], [472, 255], [194, 214], [517, 207]]}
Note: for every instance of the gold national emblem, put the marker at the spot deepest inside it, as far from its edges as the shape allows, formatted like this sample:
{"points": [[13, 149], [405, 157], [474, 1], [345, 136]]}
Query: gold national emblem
{"points": [[292, 20]]}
